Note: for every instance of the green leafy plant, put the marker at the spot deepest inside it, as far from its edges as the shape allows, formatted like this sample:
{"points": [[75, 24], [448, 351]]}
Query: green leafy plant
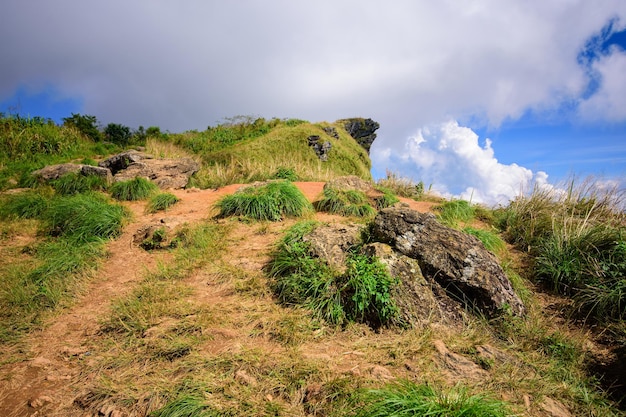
{"points": [[345, 203], [136, 189], [409, 399], [272, 202], [161, 201]]}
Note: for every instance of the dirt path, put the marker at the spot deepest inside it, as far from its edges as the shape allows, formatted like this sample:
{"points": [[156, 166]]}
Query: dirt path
{"points": [[59, 355]]}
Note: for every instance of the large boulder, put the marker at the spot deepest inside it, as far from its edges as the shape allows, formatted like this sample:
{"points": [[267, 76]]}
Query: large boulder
{"points": [[458, 262], [165, 173], [332, 243], [53, 172]]}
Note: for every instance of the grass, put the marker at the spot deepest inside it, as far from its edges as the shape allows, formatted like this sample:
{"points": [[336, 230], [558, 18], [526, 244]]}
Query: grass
{"points": [[72, 183], [131, 190], [361, 294], [161, 201], [454, 212], [186, 406], [346, 203], [47, 273], [492, 241], [406, 398], [404, 187], [272, 201]]}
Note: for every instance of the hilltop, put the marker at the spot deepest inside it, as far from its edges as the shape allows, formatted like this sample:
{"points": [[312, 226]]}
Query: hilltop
{"points": [[175, 307]]}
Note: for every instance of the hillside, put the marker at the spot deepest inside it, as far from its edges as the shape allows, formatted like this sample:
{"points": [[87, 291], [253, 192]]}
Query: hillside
{"points": [[187, 320]]}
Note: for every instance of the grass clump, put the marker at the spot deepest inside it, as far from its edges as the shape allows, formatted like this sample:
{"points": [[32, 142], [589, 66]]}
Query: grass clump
{"points": [[404, 187], [25, 205], [186, 406], [73, 183], [271, 201], [387, 199], [284, 173], [131, 190], [409, 399], [451, 213], [361, 294], [161, 201], [345, 203], [84, 218], [492, 241]]}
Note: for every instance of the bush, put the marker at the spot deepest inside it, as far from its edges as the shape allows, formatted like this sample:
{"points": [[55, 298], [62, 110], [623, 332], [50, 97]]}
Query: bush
{"points": [[272, 202], [132, 190], [161, 201], [408, 399], [361, 294], [118, 134], [345, 203]]}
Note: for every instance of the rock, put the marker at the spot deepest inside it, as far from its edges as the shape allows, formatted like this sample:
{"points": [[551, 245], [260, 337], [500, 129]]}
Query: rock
{"points": [[154, 236], [123, 160], [39, 401], [53, 172], [381, 373], [554, 408], [419, 302], [362, 130], [348, 183], [97, 171], [165, 173], [458, 262], [331, 131], [332, 242], [459, 366], [321, 149]]}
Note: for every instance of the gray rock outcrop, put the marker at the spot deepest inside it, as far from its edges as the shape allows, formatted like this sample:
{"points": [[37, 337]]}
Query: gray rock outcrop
{"points": [[362, 130], [456, 261], [53, 172]]}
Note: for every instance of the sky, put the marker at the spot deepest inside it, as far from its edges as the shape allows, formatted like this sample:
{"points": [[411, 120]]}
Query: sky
{"points": [[479, 99]]}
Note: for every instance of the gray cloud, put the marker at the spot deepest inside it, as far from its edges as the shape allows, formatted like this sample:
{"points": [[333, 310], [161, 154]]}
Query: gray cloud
{"points": [[406, 64]]}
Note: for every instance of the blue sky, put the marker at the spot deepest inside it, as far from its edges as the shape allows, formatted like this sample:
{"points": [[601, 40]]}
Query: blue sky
{"points": [[479, 98]]}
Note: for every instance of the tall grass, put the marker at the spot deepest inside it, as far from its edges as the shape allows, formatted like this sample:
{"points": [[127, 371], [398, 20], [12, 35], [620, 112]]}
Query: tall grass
{"points": [[452, 213], [402, 186], [272, 202], [73, 183], [161, 201], [576, 235]]}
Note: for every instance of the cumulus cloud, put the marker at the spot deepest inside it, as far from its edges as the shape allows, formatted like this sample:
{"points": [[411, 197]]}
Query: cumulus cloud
{"points": [[609, 101], [450, 158]]}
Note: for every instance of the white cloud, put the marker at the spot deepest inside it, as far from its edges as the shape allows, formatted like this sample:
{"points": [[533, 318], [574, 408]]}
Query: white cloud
{"points": [[609, 102], [450, 158]]}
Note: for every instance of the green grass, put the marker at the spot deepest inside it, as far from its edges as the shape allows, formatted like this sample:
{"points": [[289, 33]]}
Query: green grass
{"points": [[72, 183], [186, 406], [346, 203], [272, 202], [406, 398], [361, 294], [84, 217], [404, 187], [161, 201], [492, 241], [452, 213], [388, 198], [131, 190], [24, 205]]}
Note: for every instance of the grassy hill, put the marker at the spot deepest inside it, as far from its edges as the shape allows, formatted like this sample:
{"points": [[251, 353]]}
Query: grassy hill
{"points": [[192, 325]]}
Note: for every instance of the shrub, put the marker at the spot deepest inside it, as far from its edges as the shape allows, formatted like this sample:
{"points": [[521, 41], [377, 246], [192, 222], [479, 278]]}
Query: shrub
{"points": [[361, 294], [345, 203], [131, 190], [161, 201], [84, 218], [86, 124], [118, 134], [271, 202], [409, 399], [72, 183]]}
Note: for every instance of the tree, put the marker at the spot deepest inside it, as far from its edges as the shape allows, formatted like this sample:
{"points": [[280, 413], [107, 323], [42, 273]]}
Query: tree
{"points": [[118, 134], [86, 124]]}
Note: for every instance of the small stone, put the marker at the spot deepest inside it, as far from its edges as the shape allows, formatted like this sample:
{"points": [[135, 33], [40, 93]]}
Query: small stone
{"points": [[382, 373], [242, 377], [39, 401], [554, 408]]}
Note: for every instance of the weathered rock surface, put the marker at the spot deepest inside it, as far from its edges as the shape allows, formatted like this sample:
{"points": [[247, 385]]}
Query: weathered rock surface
{"points": [[419, 301], [321, 148], [362, 130], [53, 172], [332, 243], [458, 262], [165, 173]]}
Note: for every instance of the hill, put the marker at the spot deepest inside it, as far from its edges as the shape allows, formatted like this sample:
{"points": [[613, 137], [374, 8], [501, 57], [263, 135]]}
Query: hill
{"points": [[173, 309]]}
